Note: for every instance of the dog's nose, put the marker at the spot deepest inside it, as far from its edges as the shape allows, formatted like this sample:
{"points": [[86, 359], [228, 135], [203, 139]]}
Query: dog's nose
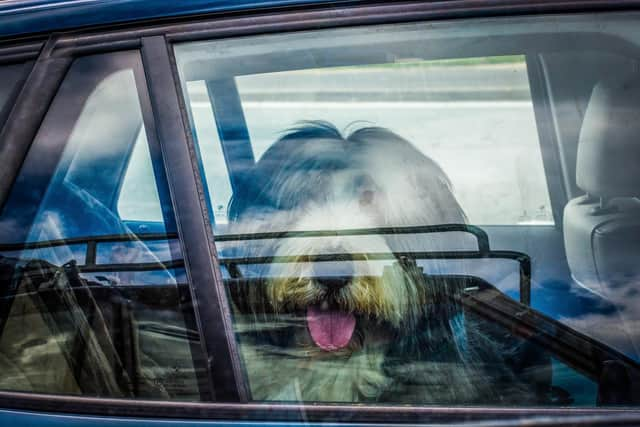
{"points": [[333, 283], [340, 276]]}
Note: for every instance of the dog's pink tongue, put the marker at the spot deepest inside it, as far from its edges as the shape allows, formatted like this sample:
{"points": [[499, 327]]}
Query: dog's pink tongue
{"points": [[331, 330]]}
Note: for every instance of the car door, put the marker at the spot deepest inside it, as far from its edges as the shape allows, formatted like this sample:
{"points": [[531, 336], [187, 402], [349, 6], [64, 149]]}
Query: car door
{"points": [[351, 214]]}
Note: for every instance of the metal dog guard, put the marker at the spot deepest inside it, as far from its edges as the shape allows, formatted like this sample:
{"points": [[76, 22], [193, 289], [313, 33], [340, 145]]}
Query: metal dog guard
{"points": [[484, 251]]}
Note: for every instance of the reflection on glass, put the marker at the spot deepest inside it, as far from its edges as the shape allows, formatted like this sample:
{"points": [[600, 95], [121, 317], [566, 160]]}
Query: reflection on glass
{"points": [[90, 306], [346, 171], [137, 251], [60, 254]]}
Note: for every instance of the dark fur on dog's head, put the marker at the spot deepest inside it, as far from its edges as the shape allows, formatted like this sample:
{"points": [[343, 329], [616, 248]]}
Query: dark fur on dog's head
{"points": [[350, 342], [298, 170]]}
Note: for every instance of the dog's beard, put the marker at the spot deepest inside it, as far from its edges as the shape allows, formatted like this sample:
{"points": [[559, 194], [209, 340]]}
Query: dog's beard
{"points": [[302, 372], [323, 343], [331, 310], [287, 360]]}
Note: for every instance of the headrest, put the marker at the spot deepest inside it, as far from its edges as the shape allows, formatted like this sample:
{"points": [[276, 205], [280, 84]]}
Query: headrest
{"points": [[608, 163]]}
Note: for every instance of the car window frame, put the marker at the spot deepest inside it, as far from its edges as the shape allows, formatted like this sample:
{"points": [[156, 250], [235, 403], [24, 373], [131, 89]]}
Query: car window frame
{"points": [[154, 40]]}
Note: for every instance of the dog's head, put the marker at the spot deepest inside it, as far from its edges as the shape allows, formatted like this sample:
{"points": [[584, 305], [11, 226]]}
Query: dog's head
{"points": [[313, 178]]}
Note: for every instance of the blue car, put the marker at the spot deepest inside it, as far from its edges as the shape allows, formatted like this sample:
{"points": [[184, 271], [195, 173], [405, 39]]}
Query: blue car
{"points": [[289, 212]]}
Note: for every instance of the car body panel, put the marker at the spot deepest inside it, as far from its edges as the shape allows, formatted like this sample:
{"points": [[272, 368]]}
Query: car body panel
{"points": [[23, 418], [53, 15]]}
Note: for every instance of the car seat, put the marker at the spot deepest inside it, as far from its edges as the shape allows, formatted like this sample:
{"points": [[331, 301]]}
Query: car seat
{"points": [[602, 228]]}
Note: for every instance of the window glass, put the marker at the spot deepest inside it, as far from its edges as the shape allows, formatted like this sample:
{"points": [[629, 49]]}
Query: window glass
{"points": [[382, 204], [212, 156], [91, 304], [138, 199]]}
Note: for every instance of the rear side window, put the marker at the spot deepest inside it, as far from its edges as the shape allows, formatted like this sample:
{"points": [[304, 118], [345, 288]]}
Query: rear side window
{"points": [[92, 304], [382, 208]]}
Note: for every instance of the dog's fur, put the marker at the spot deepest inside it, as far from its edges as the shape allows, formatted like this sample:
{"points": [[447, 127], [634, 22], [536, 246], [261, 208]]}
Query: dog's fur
{"points": [[412, 341]]}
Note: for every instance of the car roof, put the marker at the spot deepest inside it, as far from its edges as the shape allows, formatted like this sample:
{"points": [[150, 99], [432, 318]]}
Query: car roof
{"points": [[20, 17]]}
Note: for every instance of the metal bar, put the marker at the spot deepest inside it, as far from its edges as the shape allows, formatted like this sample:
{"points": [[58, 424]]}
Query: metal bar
{"points": [[90, 257], [578, 350], [484, 250], [85, 240], [148, 266], [207, 289], [480, 234], [548, 137], [523, 260], [525, 281], [375, 256], [232, 129]]}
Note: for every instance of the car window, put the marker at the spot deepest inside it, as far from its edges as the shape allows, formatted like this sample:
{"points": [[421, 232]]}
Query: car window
{"points": [[92, 305], [381, 204]]}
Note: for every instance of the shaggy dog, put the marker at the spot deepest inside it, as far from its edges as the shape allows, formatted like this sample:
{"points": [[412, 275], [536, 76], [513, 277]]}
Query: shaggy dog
{"points": [[353, 329]]}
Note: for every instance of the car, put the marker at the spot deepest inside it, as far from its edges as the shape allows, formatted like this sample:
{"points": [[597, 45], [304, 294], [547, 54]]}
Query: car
{"points": [[294, 212]]}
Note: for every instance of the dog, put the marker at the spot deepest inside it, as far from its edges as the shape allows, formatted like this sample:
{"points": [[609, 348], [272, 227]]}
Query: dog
{"points": [[356, 329]]}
